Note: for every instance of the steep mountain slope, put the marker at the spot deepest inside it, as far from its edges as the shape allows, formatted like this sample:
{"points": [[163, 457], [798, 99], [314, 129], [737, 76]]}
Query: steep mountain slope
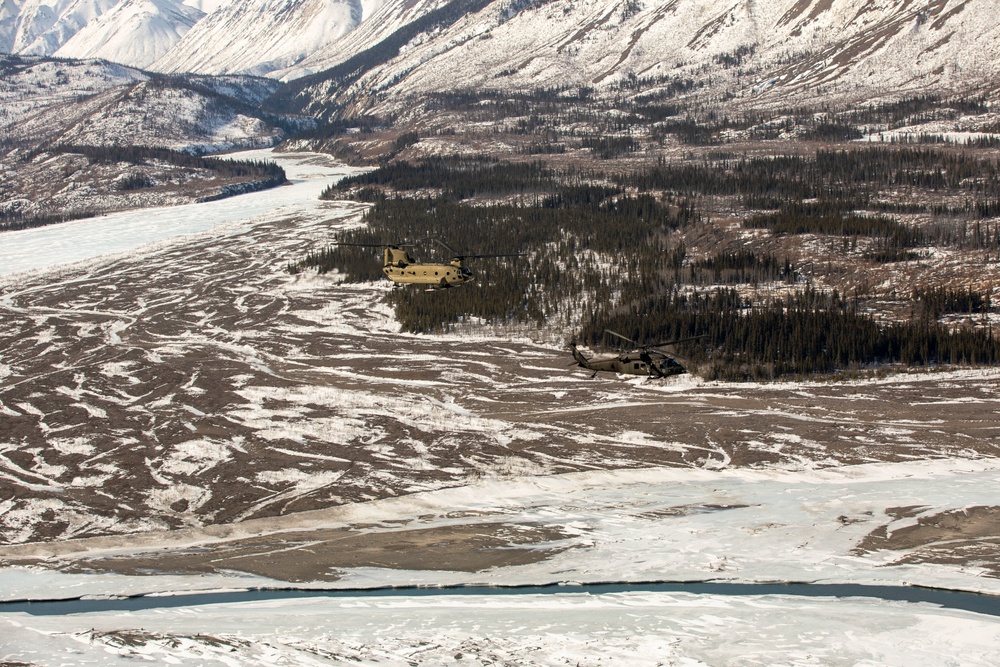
{"points": [[40, 96], [129, 35], [382, 22], [745, 50], [736, 48], [102, 104], [42, 26], [325, 94], [80, 138], [9, 11], [170, 113], [137, 32], [259, 36]]}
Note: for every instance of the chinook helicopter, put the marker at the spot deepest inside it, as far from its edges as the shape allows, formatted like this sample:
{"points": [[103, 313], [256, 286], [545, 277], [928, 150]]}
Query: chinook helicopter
{"points": [[642, 360], [399, 267]]}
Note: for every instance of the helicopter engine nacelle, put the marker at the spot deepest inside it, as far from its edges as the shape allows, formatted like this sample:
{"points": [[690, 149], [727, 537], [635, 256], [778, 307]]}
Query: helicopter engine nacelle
{"points": [[396, 257]]}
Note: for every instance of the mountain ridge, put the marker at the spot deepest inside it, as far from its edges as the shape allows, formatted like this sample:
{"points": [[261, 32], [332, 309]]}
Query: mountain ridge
{"points": [[260, 36], [869, 47], [138, 32], [393, 58]]}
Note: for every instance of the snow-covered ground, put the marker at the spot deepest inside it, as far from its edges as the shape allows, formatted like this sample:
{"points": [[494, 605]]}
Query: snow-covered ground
{"points": [[616, 629], [655, 524], [117, 233], [511, 413]]}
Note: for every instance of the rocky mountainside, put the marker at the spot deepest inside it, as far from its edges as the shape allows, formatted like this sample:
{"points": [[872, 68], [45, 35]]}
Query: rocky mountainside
{"points": [[388, 21], [782, 51], [96, 103], [804, 48], [256, 36], [260, 36], [86, 137]]}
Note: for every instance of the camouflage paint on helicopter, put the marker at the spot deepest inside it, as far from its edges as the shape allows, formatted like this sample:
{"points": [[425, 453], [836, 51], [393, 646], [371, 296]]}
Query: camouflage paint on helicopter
{"points": [[644, 360]]}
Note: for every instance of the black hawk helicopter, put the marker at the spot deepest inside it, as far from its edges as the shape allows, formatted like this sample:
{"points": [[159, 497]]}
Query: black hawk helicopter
{"points": [[642, 360], [399, 267]]}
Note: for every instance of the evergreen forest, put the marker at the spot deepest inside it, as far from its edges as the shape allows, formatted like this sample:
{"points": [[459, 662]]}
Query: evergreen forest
{"points": [[589, 248]]}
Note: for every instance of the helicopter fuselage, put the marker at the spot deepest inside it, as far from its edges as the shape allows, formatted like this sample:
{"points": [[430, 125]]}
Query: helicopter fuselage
{"points": [[653, 364], [399, 267]]}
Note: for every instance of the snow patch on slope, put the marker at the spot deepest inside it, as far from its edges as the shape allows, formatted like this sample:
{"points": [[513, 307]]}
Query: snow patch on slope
{"points": [[259, 36], [137, 32], [42, 26]]}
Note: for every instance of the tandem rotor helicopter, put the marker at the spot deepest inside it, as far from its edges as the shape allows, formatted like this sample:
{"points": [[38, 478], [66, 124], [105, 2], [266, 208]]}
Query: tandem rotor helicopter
{"points": [[399, 267], [642, 360]]}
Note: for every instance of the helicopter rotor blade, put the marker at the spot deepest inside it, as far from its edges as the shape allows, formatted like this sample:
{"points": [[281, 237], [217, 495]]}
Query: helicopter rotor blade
{"points": [[446, 247], [615, 333], [485, 256], [678, 340], [375, 245]]}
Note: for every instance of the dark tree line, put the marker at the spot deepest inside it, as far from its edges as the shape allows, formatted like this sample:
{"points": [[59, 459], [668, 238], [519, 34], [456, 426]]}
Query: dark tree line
{"points": [[461, 178], [807, 220], [560, 241], [593, 255], [742, 266], [606, 147], [851, 177], [805, 333], [258, 169], [12, 220], [914, 110], [932, 303]]}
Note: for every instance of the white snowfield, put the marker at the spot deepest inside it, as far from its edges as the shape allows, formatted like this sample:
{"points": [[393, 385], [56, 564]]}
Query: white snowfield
{"points": [[138, 32], [673, 524], [117, 233], [787, 530], [618, 629]]}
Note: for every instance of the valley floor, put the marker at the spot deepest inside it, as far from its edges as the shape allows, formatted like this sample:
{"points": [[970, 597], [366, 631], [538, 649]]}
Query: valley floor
{"points": [[189, 416]]}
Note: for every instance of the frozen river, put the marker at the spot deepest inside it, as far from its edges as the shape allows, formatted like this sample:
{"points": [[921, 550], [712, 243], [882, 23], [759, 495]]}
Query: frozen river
{"points": [[43, 247]]}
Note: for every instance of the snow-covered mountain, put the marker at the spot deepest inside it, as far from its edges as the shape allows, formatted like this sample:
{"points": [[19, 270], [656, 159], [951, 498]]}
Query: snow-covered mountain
{"points": [[9, 11], [43, 27], [361, 51], [40, 27], [744, 49], [96, 103], [137, 32], [382, 21], [260, 36]]}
